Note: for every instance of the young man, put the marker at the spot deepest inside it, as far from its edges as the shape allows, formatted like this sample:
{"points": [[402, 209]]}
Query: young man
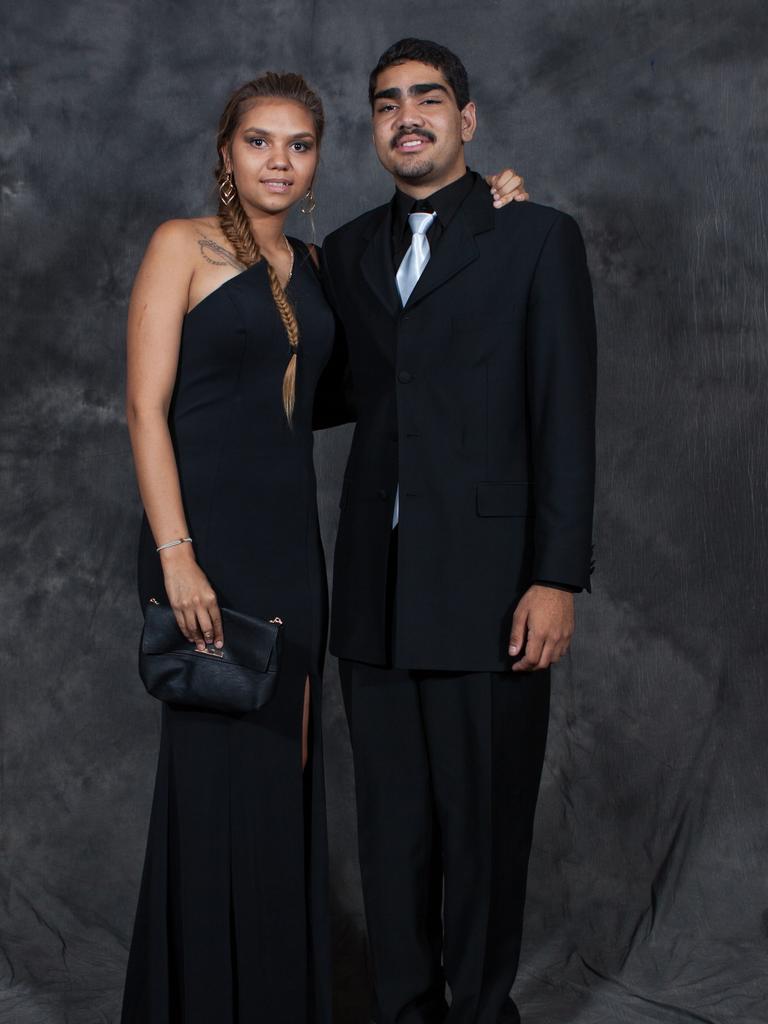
{"points": [[465, 529]]}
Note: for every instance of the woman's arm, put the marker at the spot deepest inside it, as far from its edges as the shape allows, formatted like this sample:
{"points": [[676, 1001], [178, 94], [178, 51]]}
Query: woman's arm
{"points": [[158, 304], [333, 395]]}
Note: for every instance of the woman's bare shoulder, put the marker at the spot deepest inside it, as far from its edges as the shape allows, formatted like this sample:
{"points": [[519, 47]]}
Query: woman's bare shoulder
{"points": [[187, 239], [183, 230]]}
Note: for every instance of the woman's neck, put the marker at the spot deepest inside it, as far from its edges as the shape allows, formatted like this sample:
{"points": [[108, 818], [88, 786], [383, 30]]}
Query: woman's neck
{"points": [[267, 228]]}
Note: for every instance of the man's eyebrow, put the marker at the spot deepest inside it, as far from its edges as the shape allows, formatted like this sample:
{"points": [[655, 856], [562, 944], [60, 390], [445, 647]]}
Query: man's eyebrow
{"points": [[413, 90], [417, 90]]}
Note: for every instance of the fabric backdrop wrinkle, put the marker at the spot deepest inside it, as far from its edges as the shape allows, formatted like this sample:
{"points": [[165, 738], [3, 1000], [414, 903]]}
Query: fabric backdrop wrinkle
{"points": [[648, 894]]}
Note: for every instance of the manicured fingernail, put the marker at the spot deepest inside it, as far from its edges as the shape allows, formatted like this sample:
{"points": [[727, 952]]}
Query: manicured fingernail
{"points": [[219, 643], [513, 649]]}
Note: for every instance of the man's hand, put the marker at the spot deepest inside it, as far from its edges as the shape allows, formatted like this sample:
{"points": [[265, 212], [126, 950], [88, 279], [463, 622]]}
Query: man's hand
{"points": [[542, 627], [506, 186]]}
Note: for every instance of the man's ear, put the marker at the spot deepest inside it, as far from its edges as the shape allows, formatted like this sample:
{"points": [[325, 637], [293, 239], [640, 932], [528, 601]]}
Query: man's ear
{"points": [[468, 122]]}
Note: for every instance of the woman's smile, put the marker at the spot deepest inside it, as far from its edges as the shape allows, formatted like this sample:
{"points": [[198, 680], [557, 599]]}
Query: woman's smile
{"points": [[277, 185]]}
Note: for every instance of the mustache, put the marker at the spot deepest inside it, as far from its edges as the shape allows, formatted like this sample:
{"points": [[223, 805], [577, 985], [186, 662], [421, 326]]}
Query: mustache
{"points": [[412, 131]]}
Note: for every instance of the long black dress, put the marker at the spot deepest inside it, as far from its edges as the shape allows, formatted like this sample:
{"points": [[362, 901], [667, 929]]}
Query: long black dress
{"points": [[231, 920]]}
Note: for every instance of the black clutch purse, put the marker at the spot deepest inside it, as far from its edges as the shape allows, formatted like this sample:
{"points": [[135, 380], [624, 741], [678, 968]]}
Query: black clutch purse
{"points": [[239, 677]]}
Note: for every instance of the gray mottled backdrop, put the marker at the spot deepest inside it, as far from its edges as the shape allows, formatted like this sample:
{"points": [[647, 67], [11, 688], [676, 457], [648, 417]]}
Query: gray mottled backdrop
{"points": [[647, 120]]}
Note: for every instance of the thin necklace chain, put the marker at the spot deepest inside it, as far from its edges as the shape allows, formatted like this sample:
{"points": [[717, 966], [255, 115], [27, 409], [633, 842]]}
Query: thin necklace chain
{"points": [[293, 256]]}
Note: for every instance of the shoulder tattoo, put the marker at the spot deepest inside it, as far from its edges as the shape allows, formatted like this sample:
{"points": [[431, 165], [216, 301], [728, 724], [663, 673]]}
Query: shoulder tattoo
{"points": [[214, 253]]}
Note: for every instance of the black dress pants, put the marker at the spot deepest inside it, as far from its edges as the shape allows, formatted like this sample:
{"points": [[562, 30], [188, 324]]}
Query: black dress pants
{"points": [[447, 770]]}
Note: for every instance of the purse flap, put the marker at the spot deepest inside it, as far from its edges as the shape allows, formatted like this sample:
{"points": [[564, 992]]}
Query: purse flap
{"points": [[248, 642]]}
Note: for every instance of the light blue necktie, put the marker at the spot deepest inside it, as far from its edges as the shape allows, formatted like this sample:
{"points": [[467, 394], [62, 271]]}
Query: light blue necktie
{"points": [[417, 256], [408, 273]]}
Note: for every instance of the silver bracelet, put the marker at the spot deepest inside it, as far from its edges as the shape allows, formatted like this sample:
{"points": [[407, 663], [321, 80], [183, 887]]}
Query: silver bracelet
{"points": [[175, 543]]}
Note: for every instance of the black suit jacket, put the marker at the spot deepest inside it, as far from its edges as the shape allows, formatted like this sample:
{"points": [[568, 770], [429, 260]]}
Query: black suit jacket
{"points": [[478, 397]]}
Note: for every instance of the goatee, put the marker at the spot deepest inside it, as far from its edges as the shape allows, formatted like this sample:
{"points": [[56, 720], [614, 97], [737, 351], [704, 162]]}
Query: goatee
{"points": [[416, 170]]}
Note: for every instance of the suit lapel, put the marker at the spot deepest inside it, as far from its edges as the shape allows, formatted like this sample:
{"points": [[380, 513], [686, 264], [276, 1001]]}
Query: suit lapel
{"points": [[376, 263], [457, 248]]}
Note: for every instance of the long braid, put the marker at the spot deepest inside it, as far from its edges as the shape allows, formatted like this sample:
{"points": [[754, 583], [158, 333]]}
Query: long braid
{"points": [[292, 330], [233, 219], [237, 231]]}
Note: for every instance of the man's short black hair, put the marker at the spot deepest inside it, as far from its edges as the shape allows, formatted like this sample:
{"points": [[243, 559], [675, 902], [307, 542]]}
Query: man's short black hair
{"points": [[425, 52]]}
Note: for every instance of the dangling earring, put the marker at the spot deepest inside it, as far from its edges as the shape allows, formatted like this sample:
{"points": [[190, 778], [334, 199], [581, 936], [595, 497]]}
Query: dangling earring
{"points": [[309, 198], [227, 190]]}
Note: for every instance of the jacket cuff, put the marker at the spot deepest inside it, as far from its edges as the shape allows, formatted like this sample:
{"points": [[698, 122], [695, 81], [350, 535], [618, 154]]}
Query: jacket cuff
{"points": [[559, 586]]}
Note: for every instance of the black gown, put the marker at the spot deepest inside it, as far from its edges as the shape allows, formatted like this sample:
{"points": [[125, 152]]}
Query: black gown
{"points": [[231, 925]]}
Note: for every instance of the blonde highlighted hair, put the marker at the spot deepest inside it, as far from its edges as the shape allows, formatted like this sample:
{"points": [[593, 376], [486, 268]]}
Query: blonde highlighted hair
{"points": [[233, 219]]}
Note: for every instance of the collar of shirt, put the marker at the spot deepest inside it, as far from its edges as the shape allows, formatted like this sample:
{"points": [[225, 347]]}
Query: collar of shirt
{"points": [[445, 202]]}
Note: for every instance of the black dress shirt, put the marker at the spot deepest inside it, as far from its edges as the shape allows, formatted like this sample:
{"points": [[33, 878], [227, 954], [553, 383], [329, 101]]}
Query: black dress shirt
{"points": [[445, 203]]}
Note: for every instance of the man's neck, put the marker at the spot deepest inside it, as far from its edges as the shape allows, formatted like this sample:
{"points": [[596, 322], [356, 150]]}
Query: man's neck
{"points": [[417, 190]]}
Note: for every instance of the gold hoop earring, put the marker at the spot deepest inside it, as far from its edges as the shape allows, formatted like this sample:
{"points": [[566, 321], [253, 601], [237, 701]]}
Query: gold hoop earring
{"points": [[227, 190], [308, 198]]}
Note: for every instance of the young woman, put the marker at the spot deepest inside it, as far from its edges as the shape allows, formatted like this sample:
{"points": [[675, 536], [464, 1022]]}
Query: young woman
{"points": [[228, 332]]}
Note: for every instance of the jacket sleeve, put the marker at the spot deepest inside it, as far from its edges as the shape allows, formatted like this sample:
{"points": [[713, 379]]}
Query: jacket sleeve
{"points": [[561, 383], [333, 397]]}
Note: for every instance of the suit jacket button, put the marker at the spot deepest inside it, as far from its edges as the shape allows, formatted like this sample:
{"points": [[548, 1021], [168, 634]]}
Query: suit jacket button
{"points": [[382, 493], [404, 376]]}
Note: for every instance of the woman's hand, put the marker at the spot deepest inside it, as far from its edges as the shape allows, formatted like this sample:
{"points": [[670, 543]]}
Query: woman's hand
{"points": [[192, 597], [507, 186]]}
